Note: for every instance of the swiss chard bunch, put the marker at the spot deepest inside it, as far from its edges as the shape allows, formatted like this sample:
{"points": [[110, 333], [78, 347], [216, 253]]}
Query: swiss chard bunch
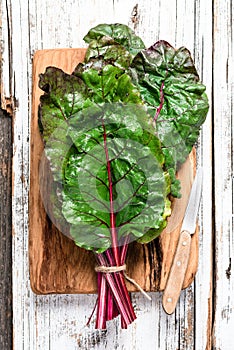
{"points": [[115, 131]]}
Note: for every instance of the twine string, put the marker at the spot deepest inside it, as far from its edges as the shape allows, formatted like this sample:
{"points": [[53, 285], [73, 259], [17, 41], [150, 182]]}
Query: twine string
{"points": [[110, 269], [113, 269]]}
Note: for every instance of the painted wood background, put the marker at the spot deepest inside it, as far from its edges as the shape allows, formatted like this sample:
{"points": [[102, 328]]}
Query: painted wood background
{"points": [[204, 317], [5, 232]]}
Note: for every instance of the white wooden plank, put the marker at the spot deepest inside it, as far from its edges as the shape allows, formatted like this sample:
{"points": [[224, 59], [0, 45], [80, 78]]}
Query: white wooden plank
{"points": [[18, 65], [203, 285], [223, 144], [57, 322]]}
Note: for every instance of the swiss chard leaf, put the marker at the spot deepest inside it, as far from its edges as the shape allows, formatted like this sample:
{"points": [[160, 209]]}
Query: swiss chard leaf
{"points": [[120, 102], [64, 95], [170, 87], [108, 82], [137, 179], [101, 37]]}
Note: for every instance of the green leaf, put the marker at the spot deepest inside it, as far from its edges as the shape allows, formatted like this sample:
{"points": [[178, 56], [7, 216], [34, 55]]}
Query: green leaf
{"points": [[116, 131], [170, 87], [105, 35], [108, 82], [138, 182], [64, 95]]}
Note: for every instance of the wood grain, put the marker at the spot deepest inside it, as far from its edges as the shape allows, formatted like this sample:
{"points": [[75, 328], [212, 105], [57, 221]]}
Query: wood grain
{"points": [[5, 231], [57, 321], [56, 264], [224, 175], [177, 272]]}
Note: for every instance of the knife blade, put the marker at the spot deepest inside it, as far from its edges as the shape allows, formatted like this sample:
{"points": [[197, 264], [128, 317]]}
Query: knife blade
{"points": [[180, 261]]}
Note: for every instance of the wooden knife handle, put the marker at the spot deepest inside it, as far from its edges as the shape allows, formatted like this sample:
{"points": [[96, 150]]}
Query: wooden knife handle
{"points": [[177, 273]]}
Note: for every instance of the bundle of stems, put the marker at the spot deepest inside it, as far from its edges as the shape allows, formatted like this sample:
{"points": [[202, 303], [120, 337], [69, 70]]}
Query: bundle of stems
{"points": [[113, 296]]}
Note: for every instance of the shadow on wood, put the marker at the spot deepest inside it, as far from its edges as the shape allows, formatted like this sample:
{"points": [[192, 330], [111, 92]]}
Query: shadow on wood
{"points": [[5, 231]]}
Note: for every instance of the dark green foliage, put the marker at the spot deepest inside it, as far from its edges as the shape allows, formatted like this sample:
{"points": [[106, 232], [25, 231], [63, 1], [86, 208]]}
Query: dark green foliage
{"points": [[137, 111]]}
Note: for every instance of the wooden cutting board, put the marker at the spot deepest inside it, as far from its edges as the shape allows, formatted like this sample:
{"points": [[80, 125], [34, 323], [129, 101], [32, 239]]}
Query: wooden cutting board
{"points": [[57, 265]]}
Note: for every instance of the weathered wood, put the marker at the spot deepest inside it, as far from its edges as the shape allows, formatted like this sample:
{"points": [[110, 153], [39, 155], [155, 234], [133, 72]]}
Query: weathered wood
{"points": [[223, 174], [5, 232], [56, 322], [203, 55], [56, 264]]}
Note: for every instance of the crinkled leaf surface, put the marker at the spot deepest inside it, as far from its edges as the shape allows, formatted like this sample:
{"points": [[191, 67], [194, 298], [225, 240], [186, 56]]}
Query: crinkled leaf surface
{"points": [[105, 35], [108, 82], [170, 87], [65, 95], [74, 147], [137, 178], [121, 97]]}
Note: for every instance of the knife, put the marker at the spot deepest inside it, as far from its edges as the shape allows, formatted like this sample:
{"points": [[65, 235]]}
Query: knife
{"points": [[180, 262]]}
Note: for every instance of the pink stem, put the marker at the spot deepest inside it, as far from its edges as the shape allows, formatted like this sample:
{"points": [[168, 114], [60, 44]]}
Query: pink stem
{"points": [[116, 281], [101, 311], [110, 305], [122, 287], [158, 110], [116, 277], [114, 235], [90, 317], [112, 221], [124, 249], [123, 258], [120, 303]]}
